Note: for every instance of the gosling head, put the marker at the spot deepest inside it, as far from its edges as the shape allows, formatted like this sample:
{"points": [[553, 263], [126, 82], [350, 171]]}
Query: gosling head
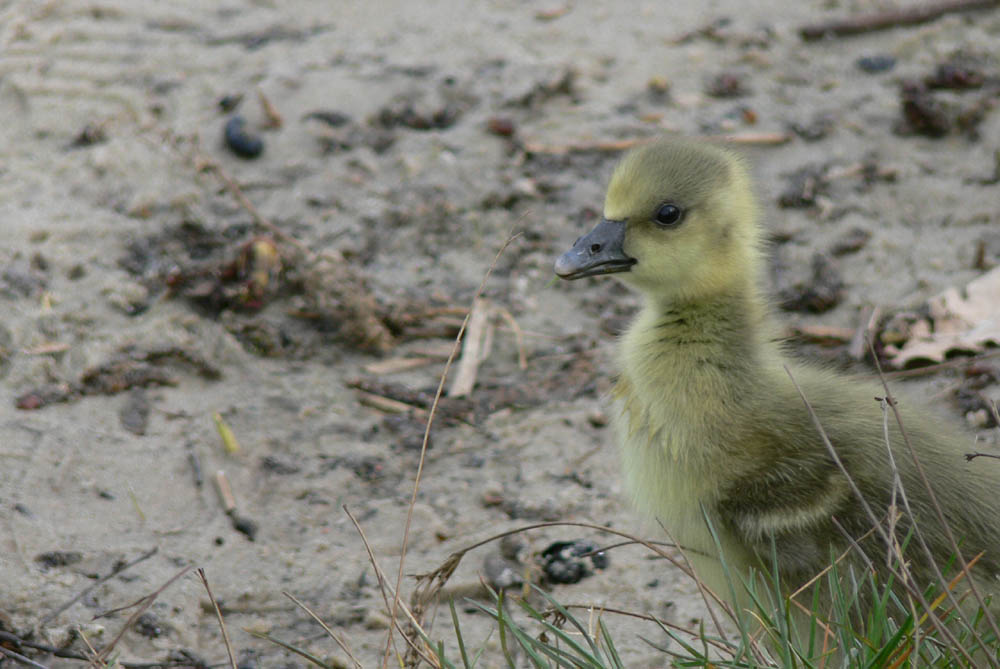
{"points": [[679, 222]]}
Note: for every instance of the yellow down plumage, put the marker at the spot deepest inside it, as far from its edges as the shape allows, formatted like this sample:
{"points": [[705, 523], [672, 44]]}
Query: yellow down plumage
{"points": [[709, 420]]}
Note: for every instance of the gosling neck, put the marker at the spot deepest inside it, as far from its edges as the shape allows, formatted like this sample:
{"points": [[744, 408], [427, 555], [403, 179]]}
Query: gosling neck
{"points": [[729, 325]]}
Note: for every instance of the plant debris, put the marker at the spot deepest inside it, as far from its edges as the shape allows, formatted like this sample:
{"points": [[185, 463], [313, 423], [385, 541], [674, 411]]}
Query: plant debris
{"points": [[727, 85], [130, 368], [822, 292], [958, 321]]}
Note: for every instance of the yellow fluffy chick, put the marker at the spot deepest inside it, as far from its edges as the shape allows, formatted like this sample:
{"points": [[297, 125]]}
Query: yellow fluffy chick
{"points": [[712, 425]]}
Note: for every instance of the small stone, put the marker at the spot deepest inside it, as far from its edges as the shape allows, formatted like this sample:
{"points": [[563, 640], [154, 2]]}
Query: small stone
{"points": [[502, 573], [875, 64], [130, 297], [597, 418]]}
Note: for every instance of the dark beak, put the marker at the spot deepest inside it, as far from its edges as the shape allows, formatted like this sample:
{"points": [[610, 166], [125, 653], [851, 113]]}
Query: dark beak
{"points": [[597, 252]]}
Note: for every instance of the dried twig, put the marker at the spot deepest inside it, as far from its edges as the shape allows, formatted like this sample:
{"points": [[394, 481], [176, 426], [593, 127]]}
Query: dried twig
{"points": [[427, 436], [387, 591], [333, 635], [271, 113], [612, 146], [389, 405], [395, 365], [876, 523], [104, 579], [908, 16], [976, 454], [869, 318], [990, 620], [21, 659], [472, 350], [218, 615], [141, 605]]}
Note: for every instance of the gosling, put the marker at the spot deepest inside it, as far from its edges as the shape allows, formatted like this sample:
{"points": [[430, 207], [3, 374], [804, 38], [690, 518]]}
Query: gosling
{"points": [[713, 430]]}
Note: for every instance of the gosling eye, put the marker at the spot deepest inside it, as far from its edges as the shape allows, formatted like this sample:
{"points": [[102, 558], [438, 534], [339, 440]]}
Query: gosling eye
{"points": [[668, 215]]}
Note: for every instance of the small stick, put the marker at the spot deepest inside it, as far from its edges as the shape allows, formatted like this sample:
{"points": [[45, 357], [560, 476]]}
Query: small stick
{"points": [[976, 454], [218, 615], [472, 348], [876, 524], [522, 355], [909, 16], [142, 605], [225, 492], [333, 635], [205, 164], [48, 348], [394, 612], [752, 138], [195, 461], [857, 348], [274, 118], [83, 593], [822, 334], [394, 365], [611, 146], [988, 616], [17, 657], [388, 405], [388, 590]]}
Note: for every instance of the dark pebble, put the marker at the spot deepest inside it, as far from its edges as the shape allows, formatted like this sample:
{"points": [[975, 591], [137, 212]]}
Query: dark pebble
{"points": [[245, 526], [58, 558], [241, 142], [148, 625], [875, 64], [500, 126], [228, 103], [727, 85]]}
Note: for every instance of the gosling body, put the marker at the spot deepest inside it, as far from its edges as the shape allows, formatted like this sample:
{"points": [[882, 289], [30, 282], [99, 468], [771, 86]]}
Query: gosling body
{"points": [[710, 422]]}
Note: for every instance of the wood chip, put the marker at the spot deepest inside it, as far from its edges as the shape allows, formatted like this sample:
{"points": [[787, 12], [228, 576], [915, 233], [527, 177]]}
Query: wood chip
{"points": [[388, 405], [824, 333], [396, 365], [858, 347], [472, 350], [225, 492], [48, 348]]}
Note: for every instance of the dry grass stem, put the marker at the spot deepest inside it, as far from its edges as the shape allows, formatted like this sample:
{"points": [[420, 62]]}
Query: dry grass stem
{"points": [[218, 616], [876, 523], [104, 579], [390, 597], [333, 635], [472, 349], [388, 405], [423, 448], [141, 605], [956, 551]]}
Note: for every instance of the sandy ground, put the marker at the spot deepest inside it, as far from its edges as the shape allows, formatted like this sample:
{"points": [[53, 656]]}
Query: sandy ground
{"points": [[417, 189]]}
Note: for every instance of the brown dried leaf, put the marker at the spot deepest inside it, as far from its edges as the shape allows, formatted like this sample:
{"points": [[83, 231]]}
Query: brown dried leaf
{"points": [[961, 321]]}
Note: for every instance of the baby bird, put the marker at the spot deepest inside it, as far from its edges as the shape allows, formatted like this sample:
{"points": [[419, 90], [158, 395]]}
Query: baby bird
{"points": [[711, 424]]}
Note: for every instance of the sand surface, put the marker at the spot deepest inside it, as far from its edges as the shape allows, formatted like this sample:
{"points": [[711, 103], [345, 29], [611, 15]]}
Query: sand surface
{"points": [[416, 191]]}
